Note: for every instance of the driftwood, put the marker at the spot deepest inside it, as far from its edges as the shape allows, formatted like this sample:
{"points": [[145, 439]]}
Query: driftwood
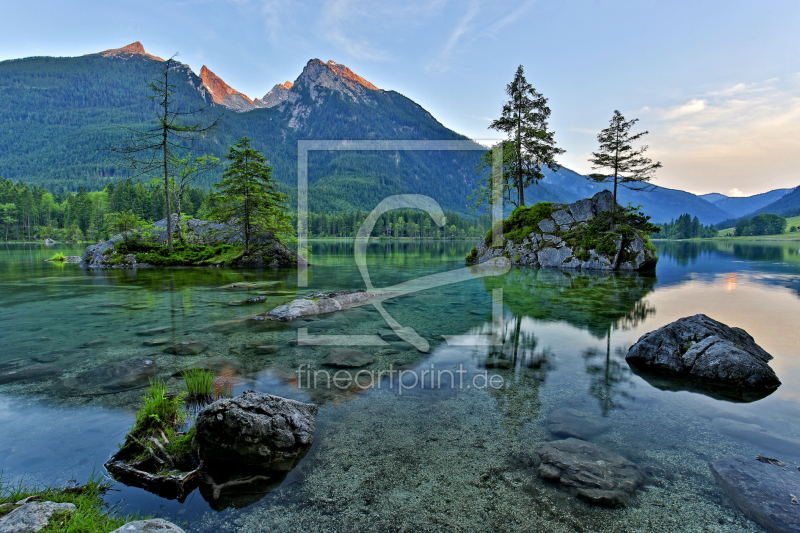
{"points": [[217, 489], [176, 486]]}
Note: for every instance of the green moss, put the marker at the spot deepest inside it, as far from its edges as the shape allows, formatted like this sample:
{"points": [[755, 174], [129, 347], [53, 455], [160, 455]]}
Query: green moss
{"points": [[182, 254], [523, 221]]}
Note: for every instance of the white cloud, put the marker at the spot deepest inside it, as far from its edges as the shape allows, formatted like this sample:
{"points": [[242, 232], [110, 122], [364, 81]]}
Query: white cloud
{"points": [[746, 136], [736, 193]]}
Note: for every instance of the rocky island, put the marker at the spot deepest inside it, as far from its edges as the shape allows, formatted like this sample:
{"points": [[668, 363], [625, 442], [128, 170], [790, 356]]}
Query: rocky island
{"points": [[590, 234], [204, 244]]}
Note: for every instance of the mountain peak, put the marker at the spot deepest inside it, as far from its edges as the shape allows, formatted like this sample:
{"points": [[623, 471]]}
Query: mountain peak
{"points": [[288, 85], [349, 75], [135, 48], [222, 93]]}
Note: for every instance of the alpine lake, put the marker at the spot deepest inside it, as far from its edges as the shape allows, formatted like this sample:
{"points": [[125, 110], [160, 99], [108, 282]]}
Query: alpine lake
{"points": [[409, 454]]}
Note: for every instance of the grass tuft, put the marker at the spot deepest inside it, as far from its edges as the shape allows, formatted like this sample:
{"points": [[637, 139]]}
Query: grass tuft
{"points": [[59, 257], [199, 384], [91, 515]]}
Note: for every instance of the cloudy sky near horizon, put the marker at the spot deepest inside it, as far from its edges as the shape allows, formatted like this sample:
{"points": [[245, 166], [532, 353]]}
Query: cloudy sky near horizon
{"points": [[716, 83]]}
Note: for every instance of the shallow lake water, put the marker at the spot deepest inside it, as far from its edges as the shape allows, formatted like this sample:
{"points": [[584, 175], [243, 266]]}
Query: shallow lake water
{"points": [[410, 455]]}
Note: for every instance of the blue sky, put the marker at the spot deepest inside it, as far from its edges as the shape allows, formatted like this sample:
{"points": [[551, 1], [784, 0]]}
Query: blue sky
{"points": [[717, 83]]}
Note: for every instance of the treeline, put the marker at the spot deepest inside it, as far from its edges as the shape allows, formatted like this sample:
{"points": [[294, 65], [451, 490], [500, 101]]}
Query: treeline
{"points": [[408, 223], [686, 227], [34, 213], [763, 224]]}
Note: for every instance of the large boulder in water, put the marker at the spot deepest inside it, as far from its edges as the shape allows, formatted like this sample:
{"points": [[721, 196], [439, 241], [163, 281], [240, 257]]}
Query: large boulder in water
{"points": [[256, 429], [702, 354]]}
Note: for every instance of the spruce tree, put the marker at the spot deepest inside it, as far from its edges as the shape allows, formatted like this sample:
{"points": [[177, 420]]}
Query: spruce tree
{"points": [[628, 167], [247, 198], [530, 145]]}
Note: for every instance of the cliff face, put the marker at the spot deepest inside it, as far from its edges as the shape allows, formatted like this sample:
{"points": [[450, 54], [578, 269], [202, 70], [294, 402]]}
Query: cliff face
{"points": [[224, 94], [581, 235]]}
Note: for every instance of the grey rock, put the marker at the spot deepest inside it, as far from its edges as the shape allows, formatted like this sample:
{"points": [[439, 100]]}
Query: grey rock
{"points": [[128, 374], [154, 525], [702, 350], [255, 429], [346, 358], [766, 493], [547, 225], [590, 472], [553, 257], [562, 217], [32, 516], [567, 422], [603, 201], [187, 348], [582, 210], [37, 372]]}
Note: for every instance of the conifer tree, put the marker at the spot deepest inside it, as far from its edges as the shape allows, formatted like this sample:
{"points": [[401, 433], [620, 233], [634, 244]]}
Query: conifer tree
{"points": [[628, 167], [247, 198]]}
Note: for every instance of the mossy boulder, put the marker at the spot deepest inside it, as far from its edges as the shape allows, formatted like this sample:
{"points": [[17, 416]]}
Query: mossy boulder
{"points": [[592, 234]]}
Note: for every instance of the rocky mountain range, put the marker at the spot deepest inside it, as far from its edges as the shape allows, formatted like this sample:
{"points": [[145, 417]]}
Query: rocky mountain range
{"points": [[60, 116]]}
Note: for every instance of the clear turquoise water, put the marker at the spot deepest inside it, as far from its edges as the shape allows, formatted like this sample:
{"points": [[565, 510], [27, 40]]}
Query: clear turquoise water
{"points": [[420, 458]]}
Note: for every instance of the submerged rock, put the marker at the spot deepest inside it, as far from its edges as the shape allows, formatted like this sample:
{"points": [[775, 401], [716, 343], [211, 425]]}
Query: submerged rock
{"points": [[187, 348], [248, 301], [347, 358], [154, 525], [708, 355], [128, 374], [567, 422], [255, 429], [37, 372], [592, 473], [564, 239], [318, 303], [765, 492], [33, 516]]}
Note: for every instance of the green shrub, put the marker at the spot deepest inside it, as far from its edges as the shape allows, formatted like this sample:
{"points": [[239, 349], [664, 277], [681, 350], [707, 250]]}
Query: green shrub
{"points": [[793, 228], [59, 257]]}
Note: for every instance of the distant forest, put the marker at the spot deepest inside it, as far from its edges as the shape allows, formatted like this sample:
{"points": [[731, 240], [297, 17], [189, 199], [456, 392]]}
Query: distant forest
{"points": [[34, 213]]}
